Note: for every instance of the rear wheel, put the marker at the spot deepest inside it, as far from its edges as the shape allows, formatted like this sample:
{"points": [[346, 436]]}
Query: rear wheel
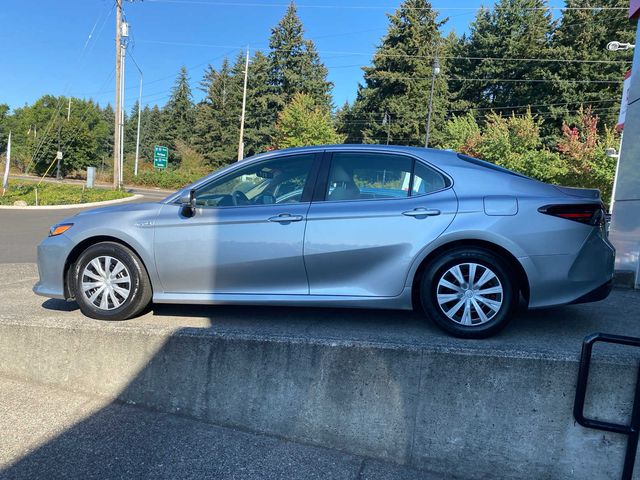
{"points": [[469, 293], [111, 282]]}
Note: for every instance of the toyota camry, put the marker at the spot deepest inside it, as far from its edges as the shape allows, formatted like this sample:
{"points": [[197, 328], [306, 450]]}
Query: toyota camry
{"points": [[462, 240]]}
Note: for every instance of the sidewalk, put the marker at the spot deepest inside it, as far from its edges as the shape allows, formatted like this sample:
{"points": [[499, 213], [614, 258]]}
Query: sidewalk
{"points": [[49, 433]]}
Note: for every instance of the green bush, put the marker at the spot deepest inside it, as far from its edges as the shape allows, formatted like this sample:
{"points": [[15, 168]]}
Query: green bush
{"points": [[56, 194]]}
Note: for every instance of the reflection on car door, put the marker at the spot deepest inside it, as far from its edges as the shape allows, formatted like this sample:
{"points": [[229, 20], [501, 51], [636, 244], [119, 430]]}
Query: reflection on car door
{"points": [[249, 249], [355, 245]]}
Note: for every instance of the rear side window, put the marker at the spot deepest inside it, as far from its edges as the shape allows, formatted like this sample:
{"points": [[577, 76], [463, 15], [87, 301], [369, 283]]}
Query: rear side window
{"points": [[370, 176], [427, 180], [366, 176]]}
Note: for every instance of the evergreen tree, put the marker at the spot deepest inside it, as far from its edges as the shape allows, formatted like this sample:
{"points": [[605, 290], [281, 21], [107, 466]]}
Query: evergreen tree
{"points": [[105, 140], [513, 29], [131, 130], [583, 35], [178, 122], [295, 65], [304, 123], [394, 101], [4, 126], [150, 132], [218, 116], [260, 117]]}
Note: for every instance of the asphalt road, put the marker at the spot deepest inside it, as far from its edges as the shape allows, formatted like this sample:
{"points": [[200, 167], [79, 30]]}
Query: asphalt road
{"points": [[22, 230], [54, 434]]}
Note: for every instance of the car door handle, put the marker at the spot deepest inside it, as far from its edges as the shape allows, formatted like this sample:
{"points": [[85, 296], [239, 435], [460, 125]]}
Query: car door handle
{"points": [[286, 218], [422, 212]]}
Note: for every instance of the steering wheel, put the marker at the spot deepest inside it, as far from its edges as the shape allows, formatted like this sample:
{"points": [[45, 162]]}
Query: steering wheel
{"points": [[239, 198]]}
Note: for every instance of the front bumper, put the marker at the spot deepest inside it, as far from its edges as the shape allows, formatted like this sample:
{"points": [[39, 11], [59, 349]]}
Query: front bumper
{"points": [[52, 255]]}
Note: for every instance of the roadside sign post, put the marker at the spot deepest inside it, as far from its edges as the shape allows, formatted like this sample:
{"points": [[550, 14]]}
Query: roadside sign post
{"points": [[160, 157]]}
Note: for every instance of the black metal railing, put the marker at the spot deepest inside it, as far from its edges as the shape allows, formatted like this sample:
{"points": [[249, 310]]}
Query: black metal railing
{"points": [[632, 431]]}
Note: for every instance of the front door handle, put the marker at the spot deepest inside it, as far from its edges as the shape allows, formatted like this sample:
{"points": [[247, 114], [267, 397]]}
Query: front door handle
{"points": [[286, 218], [422, 212]]}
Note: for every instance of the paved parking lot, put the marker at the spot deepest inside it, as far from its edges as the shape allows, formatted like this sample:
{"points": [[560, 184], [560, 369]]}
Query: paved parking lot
{"points": [[553, 331]]}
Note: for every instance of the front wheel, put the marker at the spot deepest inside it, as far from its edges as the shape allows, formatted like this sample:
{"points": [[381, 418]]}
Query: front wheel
{"points": [[469, 293], [111, 283]]}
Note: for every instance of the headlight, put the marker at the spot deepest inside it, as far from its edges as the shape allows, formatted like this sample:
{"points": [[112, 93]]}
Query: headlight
{"points": [[59, 229]]}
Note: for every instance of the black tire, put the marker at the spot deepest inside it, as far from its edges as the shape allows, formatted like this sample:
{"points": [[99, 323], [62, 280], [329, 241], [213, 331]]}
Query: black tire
{"points": [[476, 327], [139, 285]]}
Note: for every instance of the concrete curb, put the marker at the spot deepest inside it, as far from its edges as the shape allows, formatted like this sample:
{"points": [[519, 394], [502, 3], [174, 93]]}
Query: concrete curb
{"points": [[74, 205], [450, 411]]}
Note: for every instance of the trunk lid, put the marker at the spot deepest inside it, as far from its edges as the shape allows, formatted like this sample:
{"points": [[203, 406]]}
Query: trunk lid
{"points": [[585, 193]]}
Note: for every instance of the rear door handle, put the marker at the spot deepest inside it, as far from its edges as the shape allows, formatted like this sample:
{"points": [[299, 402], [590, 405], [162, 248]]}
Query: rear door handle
{"points": [[286, 218], [422, 212]]}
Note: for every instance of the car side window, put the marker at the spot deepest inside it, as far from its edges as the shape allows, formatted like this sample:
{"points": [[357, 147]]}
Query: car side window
{"points": [[427, 180], [366, 176], [280, 180]]}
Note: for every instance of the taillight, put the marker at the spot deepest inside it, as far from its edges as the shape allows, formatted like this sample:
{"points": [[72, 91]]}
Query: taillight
{"points": [[590, 213]]}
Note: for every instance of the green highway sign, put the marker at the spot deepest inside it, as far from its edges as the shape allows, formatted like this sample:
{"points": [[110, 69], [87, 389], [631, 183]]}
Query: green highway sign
{"points": [[160, 156]]}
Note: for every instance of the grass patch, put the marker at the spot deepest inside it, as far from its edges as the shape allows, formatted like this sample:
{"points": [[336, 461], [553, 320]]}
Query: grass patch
{"points": [[165, 179], [56, 194]]}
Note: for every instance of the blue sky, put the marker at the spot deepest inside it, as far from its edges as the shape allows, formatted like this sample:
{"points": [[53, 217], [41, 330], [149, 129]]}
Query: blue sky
{"points": [[46, 46]]}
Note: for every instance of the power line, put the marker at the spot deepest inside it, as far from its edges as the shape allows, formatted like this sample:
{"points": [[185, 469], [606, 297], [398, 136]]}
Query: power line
{"points": [[371, 121], [392, 76], [65, 90], [400, 55], [371, 7]]}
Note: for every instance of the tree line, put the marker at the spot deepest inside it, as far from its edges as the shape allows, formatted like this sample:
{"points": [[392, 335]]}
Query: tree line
{"points": [[524, 88]]}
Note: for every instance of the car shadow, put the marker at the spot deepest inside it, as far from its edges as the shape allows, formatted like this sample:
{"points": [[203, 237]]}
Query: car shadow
{"points": [[59, 305]]}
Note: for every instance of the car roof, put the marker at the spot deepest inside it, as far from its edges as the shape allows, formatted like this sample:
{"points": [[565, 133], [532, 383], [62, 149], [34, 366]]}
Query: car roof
{"points": [[447, 160], [431, 155]]}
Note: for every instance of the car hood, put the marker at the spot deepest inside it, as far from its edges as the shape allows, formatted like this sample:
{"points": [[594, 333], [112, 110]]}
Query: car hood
{"points": [[128, 207]]}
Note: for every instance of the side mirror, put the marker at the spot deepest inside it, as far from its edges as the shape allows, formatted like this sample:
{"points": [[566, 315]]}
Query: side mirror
{"points": [[188, 203]]}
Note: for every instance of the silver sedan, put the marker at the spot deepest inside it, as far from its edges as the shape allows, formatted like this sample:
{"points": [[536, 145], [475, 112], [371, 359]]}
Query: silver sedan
{"points": [[344, 226]]}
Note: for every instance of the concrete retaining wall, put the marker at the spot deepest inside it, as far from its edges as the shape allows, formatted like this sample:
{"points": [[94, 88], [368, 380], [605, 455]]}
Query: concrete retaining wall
{"points": [[467, 413]]}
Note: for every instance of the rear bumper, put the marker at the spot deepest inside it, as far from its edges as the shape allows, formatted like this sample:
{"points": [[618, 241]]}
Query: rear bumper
{"points": [[52, 254], [597, 294], [585, 276]]}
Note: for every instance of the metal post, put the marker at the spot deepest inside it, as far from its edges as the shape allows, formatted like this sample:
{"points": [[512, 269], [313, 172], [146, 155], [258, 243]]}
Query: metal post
{"points": [[615, 176], [244, 106]]}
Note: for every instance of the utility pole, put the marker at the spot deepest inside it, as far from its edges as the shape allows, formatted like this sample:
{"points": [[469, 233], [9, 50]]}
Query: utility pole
{"points": [[59, 156], [244, 106], [117, 105], [435, 72], [124, 34], [135, 170], [386, 120], [69, 111], [135, 165]]}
